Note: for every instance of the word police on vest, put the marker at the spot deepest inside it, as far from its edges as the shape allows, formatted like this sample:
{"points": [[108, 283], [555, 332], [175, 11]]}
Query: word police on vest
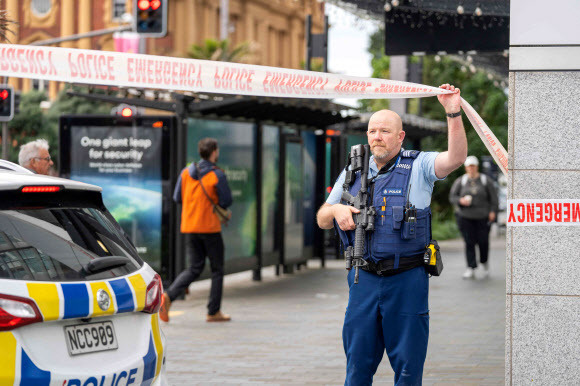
{"points": [[392, 191]]}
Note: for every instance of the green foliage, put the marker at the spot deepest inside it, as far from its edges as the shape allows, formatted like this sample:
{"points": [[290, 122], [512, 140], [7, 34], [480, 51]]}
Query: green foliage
{"points": [[444, 228], [380, 65], [220, 50], [5, 24], [487, 99], [29, 124], [32, 122], [316, 64]]}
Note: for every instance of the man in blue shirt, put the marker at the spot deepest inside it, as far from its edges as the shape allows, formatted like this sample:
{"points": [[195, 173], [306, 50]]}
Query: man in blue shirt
{"points": [[388, 309]]}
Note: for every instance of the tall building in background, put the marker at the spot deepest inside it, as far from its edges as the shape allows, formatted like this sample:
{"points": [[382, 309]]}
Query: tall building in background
{"points": [[275, 28]]}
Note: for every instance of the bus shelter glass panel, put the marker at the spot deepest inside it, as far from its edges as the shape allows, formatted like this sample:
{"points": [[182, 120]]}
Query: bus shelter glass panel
{"points": [[355, 139], [309, 167], [270, 181], [237, 157], [293, 204], [124, 161]]}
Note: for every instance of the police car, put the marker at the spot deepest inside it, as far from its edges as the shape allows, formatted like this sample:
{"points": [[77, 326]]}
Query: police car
{"points": [[78, 307]]}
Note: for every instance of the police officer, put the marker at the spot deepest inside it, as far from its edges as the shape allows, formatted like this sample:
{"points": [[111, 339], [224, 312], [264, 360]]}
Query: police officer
{"points": [[388, 308]]}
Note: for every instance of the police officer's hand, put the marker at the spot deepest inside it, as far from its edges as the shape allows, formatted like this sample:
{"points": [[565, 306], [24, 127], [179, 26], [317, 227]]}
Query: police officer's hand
{"points": [[343, 216], [491, 217], [450, 102]]}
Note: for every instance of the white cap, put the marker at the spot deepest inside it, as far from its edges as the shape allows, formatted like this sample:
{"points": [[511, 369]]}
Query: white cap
{"points": [[471, 160]]}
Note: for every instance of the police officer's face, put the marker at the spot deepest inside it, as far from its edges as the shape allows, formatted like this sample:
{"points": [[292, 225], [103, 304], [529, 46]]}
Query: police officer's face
{"points": [[385, 134]]}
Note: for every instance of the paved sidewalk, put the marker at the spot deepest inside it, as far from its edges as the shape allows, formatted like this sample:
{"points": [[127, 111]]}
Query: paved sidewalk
{"points": [[287, 330]]}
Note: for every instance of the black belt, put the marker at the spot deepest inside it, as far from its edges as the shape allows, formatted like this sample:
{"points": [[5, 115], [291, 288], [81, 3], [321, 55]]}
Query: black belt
{"points": [[387, 267]]}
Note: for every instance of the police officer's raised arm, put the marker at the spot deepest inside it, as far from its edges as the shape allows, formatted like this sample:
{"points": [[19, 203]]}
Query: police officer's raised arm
{"points": [[448, 161]]}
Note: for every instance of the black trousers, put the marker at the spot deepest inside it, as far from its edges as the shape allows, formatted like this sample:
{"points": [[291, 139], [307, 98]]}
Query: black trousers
{"points": [[474, 232], [198, 247]]}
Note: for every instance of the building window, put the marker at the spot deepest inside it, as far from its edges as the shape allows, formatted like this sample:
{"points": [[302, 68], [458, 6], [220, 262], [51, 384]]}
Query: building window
{"points": [[38, 84], [119, 8], [41, 7]]}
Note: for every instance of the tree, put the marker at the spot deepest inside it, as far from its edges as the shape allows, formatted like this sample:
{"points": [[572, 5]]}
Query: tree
{"points": [[31, 122], [220, 50], [316, 64], [489, 100], [380, 64], [5, 26]]}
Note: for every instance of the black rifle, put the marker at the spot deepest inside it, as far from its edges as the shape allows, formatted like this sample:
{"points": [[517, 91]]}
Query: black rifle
{"points": [[365, 220]]}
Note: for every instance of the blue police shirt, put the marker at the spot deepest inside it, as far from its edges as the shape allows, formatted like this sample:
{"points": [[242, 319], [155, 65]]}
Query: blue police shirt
{"points": [[422, 180]]}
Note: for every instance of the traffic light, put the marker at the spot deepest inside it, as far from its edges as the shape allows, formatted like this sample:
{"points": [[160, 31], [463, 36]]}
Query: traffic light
{"points": [[6, 103], [125, 111], [150, 17]]}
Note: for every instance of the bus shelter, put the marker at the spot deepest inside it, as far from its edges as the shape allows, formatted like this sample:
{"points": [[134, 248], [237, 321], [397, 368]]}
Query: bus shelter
{"points": [[272, 150]]}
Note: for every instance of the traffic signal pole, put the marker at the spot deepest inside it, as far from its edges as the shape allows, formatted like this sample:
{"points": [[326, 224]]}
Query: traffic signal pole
{"points": [[5, 144], [6, 114], [90, 34]]}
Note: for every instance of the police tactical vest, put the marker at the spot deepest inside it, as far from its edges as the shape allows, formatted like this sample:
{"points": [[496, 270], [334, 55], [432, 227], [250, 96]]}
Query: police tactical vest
{"points": [[388, 241]]}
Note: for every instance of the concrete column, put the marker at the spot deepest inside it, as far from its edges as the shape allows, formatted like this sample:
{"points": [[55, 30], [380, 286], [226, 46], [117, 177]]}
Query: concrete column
{"points": [[273, 47], [208, 21], [26, 85], [543, 290], [248, 33], [179, 29], [249, 30], [67, 21], [192, 12], [85, 23], [13, 14], [263, 40], [398, 70], [297, 47], [52, 90]]}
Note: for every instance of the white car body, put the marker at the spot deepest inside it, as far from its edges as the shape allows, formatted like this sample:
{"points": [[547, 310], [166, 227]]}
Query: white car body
{"points": [[77, 337]]}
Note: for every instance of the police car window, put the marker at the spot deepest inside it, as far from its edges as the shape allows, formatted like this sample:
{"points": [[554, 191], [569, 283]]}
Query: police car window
{"points": [[55, 244]]}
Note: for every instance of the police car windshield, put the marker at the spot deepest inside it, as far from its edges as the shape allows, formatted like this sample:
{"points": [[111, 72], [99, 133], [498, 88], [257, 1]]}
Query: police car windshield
{"points": [[54, 244]]}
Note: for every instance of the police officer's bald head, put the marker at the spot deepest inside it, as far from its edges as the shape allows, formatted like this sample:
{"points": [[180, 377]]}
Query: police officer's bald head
{"points": [[386, 117]]}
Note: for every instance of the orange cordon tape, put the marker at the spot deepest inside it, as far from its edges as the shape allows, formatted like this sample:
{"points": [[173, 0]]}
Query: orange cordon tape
{"points": [[167, 73], [543, 212]]}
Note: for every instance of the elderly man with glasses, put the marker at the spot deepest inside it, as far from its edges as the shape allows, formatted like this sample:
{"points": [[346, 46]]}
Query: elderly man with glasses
{"points": [[34, 156]]}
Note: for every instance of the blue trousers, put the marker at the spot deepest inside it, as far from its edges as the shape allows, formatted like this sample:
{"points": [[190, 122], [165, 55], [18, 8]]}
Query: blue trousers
{"points": [[389, 313]]}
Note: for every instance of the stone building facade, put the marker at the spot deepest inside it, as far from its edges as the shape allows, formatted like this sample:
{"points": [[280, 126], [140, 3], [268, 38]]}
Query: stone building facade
{"points": [[275, 28]]}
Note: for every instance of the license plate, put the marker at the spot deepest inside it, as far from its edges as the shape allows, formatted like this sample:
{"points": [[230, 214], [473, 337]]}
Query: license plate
{"points": [[90, 337]]}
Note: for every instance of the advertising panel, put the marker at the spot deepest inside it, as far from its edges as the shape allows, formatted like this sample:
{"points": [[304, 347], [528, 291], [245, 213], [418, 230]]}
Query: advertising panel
{"points": [[309, 167], [236, 141], [122, 157], [293, 204], [270, 181]]}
